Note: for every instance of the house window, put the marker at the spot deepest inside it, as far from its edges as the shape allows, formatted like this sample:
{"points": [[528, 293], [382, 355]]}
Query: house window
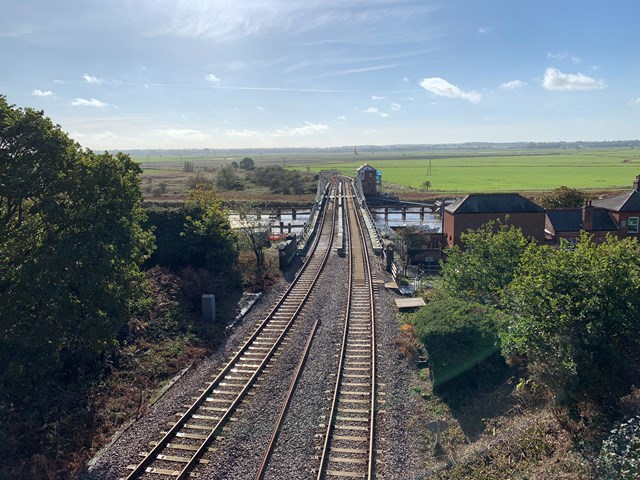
{"points": [[633, 225]]}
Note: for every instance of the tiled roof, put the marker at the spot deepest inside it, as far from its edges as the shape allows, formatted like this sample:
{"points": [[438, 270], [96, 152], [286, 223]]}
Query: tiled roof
{"points": [[625, 202], [570, 220], [493, 203]]}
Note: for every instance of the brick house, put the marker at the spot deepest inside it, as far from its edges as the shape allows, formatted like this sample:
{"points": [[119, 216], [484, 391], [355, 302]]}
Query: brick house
{"points": [[567, 223], [624, 210], [473, 211]]}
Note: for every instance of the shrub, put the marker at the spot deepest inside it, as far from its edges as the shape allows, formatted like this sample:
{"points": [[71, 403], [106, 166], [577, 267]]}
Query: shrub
{"points": [[461, 341]]}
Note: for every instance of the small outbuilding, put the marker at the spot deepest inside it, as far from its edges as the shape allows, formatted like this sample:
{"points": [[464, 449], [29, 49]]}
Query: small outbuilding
{"points": [[370, 179]]}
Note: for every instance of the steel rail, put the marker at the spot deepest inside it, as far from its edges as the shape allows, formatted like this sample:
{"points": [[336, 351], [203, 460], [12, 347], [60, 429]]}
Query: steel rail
{"points": [[324, 458], [294, 382], [153, 454]]}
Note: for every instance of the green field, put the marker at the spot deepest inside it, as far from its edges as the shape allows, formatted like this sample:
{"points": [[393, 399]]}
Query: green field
{"points": [[517, 171]]}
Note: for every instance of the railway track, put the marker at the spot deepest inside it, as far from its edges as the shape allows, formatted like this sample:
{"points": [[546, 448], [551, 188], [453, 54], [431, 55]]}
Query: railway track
{"points": [[185, 444], [348, 450]]}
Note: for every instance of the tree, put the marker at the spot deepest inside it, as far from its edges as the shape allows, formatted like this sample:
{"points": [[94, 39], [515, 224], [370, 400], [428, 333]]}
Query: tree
{"points": [[458, 336], [486, 265], [247, 164], [575, 319], [562, 197], [253, 236], [426, 184], [227, 179], [209, 240], [70, 249]]}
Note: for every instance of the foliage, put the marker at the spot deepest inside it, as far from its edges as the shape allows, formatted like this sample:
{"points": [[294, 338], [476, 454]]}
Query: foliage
{"points": [[70, 246], [188, 166], [575, 318], [247, 164], [227, 179], [426, 184], [209, 240], [283, 181], [486, 265], [458, 336], [562, 197], [619, 457], [414, 238], [200, 178], [253, 238]]}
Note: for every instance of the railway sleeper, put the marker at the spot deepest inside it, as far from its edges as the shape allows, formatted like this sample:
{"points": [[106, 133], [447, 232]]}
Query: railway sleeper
{"points": [[182, 446], [175, 458]]}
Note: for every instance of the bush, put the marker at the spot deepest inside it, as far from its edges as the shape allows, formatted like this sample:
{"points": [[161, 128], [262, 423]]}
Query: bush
{"points": [[619, 457], [461, 341]]}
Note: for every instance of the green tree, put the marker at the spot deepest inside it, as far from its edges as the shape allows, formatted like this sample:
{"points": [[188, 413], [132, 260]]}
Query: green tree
{"points": [[575, 318], [247, 164], [562, 197], [227, 179], [426, 184], [486, 265], [209, 240], [458, 336], [70, 249]]}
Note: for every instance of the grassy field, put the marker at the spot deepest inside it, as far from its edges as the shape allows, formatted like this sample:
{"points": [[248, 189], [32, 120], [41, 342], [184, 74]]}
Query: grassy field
{"points": [[516, 171]]}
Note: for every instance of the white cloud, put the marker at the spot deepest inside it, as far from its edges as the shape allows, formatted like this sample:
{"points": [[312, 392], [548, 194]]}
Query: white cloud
{"points": [[554, 79], [40, 93], [557, 56], [635, 102], [242, 133], [513, 85], [212, 78], [395, 106], [576, 59], [442, 88], [342, 117], [375, 97], [183, 133], [375, 111], [483, 30], [405, 79], [83, 102], [308, 129], [91, 79]]}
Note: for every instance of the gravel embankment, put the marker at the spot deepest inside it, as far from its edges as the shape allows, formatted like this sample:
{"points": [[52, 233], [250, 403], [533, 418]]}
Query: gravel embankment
{"points": [[400, 427], [112, 463]]}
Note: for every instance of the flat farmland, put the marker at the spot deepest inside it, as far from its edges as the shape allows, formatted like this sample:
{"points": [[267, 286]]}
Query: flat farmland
{"points": [[599, 169]]}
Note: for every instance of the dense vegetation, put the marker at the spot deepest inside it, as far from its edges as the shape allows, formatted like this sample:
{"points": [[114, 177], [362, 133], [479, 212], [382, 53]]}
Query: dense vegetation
{"points": [[85, 333], [568, 318]]}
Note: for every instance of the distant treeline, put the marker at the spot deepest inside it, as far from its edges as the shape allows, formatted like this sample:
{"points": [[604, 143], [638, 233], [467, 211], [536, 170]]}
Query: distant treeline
{"points": [[386, 148]]}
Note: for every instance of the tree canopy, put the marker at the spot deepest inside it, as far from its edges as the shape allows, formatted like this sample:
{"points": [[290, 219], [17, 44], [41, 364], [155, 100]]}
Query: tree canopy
{"points": [[575, 318], [247, 163], [562, 197], [487, 264], [70, 249]]}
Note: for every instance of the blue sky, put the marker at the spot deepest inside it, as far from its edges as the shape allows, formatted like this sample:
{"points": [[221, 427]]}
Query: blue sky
{"points": [[123, 74]]}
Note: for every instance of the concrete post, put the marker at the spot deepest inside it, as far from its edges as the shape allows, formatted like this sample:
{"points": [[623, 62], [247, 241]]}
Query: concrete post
{"points": [[209, 307]]}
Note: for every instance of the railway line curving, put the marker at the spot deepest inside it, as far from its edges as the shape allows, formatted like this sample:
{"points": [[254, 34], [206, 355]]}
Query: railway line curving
{"points": [[184, 445], [300, 397]]}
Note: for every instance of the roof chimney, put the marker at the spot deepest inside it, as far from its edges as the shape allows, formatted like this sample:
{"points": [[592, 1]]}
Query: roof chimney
{"points": [[636, 187], [587, 216]]}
